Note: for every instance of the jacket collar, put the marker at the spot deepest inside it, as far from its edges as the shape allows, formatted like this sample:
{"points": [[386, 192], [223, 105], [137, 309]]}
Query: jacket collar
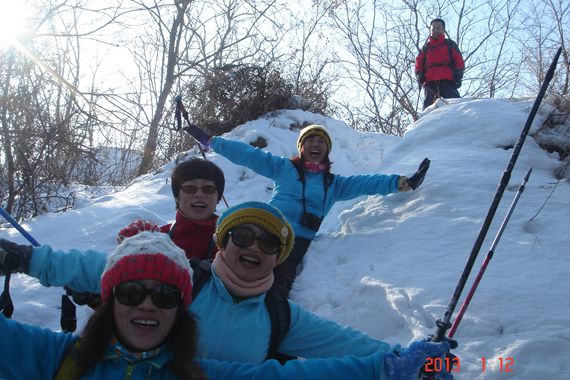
{"points": [[156, 358], [439, 38], [182, 220]]}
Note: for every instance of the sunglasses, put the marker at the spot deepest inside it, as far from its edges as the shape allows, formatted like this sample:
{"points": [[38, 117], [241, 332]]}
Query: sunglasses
{"points": [[244, 236], [191, 189], [133, 293]]}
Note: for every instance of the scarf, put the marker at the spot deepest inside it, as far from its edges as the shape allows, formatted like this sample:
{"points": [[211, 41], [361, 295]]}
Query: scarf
{"points": [[315, 167], [237, 286]]}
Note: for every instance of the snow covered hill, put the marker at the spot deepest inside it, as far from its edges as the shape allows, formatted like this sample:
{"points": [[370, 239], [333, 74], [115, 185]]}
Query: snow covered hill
{"points": [[389, 265]]}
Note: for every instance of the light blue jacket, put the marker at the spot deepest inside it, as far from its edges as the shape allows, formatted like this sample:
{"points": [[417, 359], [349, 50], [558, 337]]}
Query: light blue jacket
{"points": [[230, 330], [288, 190], [32, 353]]}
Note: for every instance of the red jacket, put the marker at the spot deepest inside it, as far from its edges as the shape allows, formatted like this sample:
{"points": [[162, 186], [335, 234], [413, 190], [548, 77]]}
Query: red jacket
{"points": [[433, 61], [193, 236]]}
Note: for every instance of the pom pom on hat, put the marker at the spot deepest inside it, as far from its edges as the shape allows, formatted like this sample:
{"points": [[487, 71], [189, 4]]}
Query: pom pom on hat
{"points": [[148, 255], [313, 130], [262, 214], [136, 227]]}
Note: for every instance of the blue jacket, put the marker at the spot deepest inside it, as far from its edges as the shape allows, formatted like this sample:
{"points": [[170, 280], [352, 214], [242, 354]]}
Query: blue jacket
{"points": [[226, 324], [32, 353], [288, 190]]}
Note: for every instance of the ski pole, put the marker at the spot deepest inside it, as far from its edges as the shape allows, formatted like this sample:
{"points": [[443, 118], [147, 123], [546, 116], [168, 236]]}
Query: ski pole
{"points": [[181, 111], [444, 325], [488, 257], [20, 229]]}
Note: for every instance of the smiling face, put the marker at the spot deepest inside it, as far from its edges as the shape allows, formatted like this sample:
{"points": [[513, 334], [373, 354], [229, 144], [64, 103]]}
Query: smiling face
{"points": [[200, 205], [145, 326], [314, 149], [250, 263]]}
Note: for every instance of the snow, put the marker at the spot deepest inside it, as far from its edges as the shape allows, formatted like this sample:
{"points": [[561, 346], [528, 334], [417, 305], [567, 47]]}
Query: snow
{"points": [[389, 265]]}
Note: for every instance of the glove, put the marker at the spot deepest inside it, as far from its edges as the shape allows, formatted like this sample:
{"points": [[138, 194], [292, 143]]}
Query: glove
{"points": [[409, 363], [421, 78], [457, 77], [68, 319], [14, 257], [413, 182], [83, 298], [136, 227], [198, 133]]}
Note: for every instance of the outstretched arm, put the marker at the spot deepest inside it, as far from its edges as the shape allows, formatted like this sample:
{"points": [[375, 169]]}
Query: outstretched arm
{"points": [[311, 336], [241, 153], [404, 364], [353, 368], [80, 270]]}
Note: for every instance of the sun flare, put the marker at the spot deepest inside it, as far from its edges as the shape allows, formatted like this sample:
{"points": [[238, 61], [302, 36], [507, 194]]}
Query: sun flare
{"points": [[12, 21]]}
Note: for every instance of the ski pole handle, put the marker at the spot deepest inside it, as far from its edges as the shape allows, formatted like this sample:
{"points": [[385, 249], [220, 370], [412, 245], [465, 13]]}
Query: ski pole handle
{"points": [[180, 106]]}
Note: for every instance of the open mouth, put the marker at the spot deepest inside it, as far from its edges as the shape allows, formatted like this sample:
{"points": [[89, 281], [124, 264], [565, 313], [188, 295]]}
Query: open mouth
{"points": [[249, 260], [315, 152], [145, 322], [199, 205]]}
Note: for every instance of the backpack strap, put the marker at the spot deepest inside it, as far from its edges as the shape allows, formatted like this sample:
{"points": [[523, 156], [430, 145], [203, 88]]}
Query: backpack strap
{"points": [[450, 44], [211, 249], [300, 172], [202, 271], [280, 315]]}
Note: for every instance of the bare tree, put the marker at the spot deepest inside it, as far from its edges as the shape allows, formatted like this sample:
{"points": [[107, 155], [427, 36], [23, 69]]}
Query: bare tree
{"points": [[168, 52], [45, 123], [182, 43]]}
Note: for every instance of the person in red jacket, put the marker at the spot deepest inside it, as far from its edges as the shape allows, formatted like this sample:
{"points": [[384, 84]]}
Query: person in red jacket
{"points": [[439, 65], [197, 187]]}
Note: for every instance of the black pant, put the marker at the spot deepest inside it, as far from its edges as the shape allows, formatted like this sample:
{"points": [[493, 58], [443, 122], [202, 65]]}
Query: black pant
{"points": [[286, 272], [439, 89]]}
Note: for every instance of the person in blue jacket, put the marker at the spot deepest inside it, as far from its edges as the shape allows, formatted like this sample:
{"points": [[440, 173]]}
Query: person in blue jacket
{"points": [[143, 330], [253, 237], [305, 189]]}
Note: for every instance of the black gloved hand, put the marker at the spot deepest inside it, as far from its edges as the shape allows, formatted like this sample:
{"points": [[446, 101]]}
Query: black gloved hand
{"points": [[457, 77], [68, 320], [198, 133], [413, 182], [418, 177], [14, 257], [421, 78]]}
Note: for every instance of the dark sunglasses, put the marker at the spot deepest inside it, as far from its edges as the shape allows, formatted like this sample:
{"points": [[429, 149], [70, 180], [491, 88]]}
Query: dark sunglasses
{"points": [[191, 189], [244, 236], [133, 293]]}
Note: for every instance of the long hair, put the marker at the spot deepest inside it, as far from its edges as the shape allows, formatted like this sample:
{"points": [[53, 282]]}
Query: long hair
{"points": [[182, 341]]}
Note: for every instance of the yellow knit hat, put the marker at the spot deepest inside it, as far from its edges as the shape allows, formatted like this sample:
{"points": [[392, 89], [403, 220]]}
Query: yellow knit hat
{"points": [[262, 214], [313, 130]]}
